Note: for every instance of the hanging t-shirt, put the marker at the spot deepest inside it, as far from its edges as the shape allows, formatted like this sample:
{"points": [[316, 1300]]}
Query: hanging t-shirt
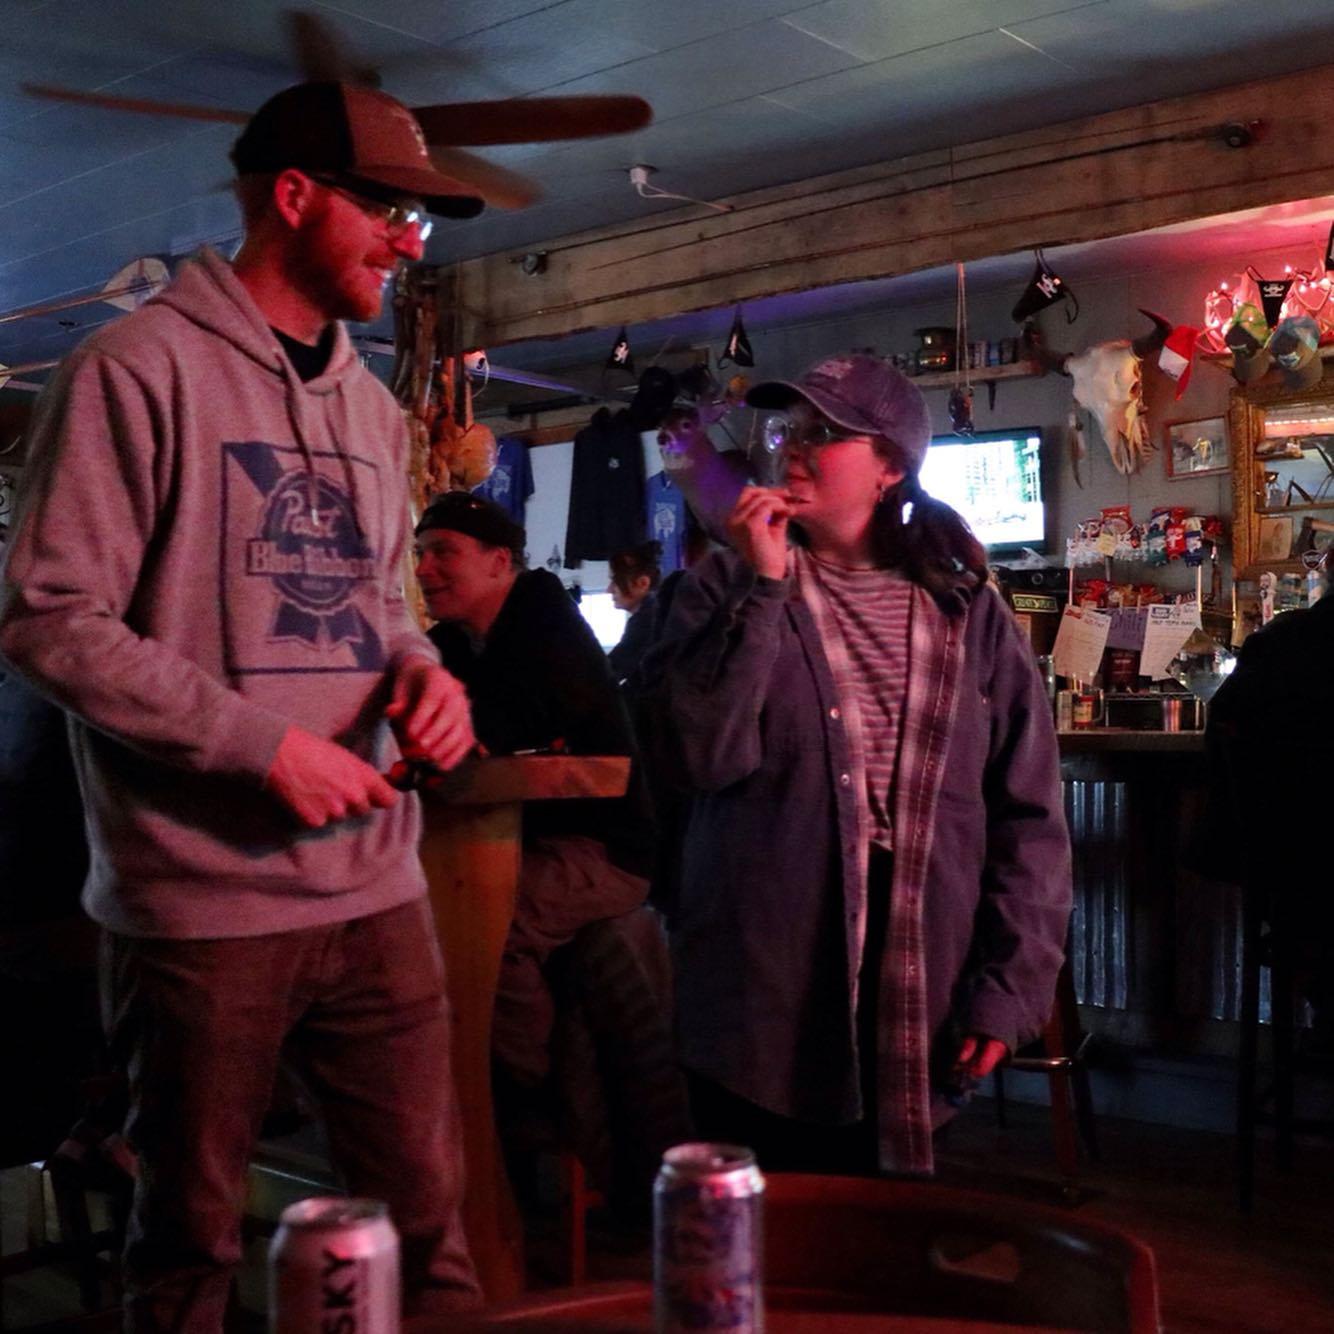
{"points": [[511, 480], [606, 489], [665, 518]]}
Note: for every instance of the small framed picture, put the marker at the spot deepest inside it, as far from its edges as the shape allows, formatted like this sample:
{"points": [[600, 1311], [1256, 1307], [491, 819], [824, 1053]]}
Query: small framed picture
{"points": [[1274, 539], [1196, 448]]}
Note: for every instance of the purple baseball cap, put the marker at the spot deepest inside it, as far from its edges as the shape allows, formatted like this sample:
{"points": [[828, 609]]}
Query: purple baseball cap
{"points": [[860, 393]]}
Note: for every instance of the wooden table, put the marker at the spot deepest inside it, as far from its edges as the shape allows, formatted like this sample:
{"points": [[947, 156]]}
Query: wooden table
{"points": [[470, 849], [627, 1308]]}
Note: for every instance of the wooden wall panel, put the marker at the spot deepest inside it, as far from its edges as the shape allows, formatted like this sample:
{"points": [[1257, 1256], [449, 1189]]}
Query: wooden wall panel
{"points": [[1084, 180]]}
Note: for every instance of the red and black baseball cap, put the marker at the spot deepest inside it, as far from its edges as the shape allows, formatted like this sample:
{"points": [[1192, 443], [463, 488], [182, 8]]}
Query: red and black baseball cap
{"points": [[366, 139]]}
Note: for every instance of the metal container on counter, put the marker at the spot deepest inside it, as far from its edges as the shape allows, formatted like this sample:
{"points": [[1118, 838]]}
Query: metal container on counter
{"points": [[708, 1241], [1182, 713], [333, 1269]]}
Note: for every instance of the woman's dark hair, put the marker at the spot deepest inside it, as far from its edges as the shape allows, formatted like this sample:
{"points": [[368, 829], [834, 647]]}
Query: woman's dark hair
{"points": [[635, 562], [922, 536]]}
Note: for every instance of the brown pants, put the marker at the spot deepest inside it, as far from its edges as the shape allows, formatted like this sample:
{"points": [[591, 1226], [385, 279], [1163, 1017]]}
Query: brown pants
{"points": [[199, 1026]]}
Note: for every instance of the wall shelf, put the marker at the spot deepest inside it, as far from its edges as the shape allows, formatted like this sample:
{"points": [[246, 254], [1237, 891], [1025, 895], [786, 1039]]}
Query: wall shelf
{"points": [[1016, 370]]}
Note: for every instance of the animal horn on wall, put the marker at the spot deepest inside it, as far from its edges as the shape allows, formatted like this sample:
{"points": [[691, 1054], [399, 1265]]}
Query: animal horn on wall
{"points": [[1149, 343], [1036, 350]]}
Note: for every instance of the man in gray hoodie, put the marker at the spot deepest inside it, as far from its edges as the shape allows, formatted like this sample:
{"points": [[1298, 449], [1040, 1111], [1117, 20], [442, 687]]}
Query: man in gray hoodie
{"points": [[206, 575]]}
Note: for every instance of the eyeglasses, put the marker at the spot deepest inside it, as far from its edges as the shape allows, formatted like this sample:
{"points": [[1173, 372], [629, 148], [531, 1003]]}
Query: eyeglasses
{"points": [[395, 218], [783, 432]]}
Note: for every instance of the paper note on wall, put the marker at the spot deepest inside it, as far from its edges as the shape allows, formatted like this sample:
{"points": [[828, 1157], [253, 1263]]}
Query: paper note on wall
{"points": [[1080, 640], [1166, 630]]}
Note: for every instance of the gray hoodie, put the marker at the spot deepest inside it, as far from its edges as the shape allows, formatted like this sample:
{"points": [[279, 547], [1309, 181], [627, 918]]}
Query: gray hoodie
{"points": [[206, 551]]}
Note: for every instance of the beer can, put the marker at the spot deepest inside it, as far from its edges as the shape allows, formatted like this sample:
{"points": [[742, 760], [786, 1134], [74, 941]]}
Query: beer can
{"points": [[333, 1269], [708, 1241]]}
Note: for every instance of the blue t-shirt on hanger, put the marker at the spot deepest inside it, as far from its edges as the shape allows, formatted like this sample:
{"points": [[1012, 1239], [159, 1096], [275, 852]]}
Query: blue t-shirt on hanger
{"points": [[511, 481], [665, 519]]}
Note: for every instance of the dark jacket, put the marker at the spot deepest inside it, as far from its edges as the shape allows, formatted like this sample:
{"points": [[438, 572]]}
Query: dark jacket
{"points": [[606, 488], [640, 631], [1271, 736], [541, 677], [762, 950]]}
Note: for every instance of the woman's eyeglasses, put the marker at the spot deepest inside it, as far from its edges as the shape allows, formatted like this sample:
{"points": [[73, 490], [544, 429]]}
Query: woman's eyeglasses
{"points": [[395, 218], [783, 432]]}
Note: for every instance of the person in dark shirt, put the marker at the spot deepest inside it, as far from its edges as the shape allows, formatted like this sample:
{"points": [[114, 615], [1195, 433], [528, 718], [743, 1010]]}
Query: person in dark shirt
{"points": [[635, 575], [1271, 726], [537, 679]]}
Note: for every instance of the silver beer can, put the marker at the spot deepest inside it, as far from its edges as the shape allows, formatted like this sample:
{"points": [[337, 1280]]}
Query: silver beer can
{"points": [[708, 1241], [333, 1269]]}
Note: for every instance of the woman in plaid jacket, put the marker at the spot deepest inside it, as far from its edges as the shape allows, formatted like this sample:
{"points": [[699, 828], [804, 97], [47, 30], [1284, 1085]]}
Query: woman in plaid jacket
{"points": [[877, 869]]}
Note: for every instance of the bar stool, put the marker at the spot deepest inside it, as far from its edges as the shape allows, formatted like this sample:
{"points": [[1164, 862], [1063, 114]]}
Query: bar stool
{"points": [[1063, 1047]]}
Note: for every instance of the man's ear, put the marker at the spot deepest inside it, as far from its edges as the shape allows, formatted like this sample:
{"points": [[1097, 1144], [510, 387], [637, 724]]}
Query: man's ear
{"points": [[293, 194]]}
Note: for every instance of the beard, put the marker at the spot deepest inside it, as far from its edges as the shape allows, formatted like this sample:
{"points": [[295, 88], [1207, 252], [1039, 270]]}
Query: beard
{"points": [[341, 280]]}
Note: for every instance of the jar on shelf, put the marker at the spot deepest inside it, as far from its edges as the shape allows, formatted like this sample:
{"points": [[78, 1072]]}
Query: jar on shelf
{"points": [[937, 348]]}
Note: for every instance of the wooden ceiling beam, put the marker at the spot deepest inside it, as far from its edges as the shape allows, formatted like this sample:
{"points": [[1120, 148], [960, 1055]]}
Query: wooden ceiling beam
{"points": [[1085, 180]]}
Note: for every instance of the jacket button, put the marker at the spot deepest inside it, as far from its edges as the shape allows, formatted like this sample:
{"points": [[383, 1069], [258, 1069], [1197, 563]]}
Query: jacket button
{"points": [[845, 779], [835, 713]]}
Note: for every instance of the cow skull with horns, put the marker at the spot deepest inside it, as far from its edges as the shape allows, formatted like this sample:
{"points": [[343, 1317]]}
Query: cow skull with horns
{"points": [[1109, 384]]}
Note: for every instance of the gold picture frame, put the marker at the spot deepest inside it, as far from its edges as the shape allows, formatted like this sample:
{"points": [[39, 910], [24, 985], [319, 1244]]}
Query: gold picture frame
{"points": [[1274, 540]]}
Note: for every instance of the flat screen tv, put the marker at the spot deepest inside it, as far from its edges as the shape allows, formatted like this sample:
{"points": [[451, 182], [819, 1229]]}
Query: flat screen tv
{"points": [[994, 479]]}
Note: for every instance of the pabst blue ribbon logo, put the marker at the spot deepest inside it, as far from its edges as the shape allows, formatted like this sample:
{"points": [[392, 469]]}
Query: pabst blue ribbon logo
{"points": [[307, 544]]}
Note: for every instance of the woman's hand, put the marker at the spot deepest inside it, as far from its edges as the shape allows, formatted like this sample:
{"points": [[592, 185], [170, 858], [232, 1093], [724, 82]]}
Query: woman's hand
{"points": [[757, 528], [980, 1055]]}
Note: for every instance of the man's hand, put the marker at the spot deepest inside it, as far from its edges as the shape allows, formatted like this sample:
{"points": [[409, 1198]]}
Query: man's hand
{"points": [[757, 528], [321, 782], [430, 713]]}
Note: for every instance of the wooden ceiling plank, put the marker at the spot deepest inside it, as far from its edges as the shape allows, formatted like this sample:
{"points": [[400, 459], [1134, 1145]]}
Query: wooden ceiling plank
{"points": [[1102, 176]]}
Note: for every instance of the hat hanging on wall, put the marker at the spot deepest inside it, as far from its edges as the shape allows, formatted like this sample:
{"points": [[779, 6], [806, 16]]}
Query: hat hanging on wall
{"points": [[1177, 358], [1246, 338], [1295, 349], [737, 348], [620, 358], [1045, 288]]}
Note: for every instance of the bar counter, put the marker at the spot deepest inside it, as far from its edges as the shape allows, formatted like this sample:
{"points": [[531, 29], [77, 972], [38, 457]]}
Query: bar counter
{"points": [[1100, 740], [1154, 945]]}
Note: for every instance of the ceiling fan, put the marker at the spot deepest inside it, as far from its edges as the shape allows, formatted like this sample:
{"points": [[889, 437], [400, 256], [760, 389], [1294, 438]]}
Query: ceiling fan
{"points": [[319, 55]]}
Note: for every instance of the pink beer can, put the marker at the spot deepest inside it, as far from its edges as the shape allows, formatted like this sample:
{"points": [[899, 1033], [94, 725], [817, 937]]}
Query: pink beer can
{"points": [[333, 1269]]}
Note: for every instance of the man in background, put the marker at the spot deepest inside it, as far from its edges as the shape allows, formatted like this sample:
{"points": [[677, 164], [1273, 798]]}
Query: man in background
{"points": [[205, 574], [537, 679]]}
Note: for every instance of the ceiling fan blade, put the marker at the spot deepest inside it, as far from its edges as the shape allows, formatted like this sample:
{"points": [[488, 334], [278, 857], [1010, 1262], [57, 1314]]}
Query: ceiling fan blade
{"points": [[147, 106], [531, 120], [320, 55], [497, 185]]}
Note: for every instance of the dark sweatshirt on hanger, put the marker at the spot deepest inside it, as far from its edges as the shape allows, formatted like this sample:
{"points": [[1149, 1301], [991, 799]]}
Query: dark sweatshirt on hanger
{"points": [[606, 488]]}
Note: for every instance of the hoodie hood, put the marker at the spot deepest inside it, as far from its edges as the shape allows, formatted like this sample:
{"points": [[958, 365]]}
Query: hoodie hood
{"points": [[207, 292]]}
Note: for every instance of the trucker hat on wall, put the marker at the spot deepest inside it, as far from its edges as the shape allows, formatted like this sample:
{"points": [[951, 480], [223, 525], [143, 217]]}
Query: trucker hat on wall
{"points": [[364, 137], [1295, 349]]}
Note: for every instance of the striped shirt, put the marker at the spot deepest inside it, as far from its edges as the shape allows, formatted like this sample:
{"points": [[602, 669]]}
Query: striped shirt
{"points": [[873, 612]]}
